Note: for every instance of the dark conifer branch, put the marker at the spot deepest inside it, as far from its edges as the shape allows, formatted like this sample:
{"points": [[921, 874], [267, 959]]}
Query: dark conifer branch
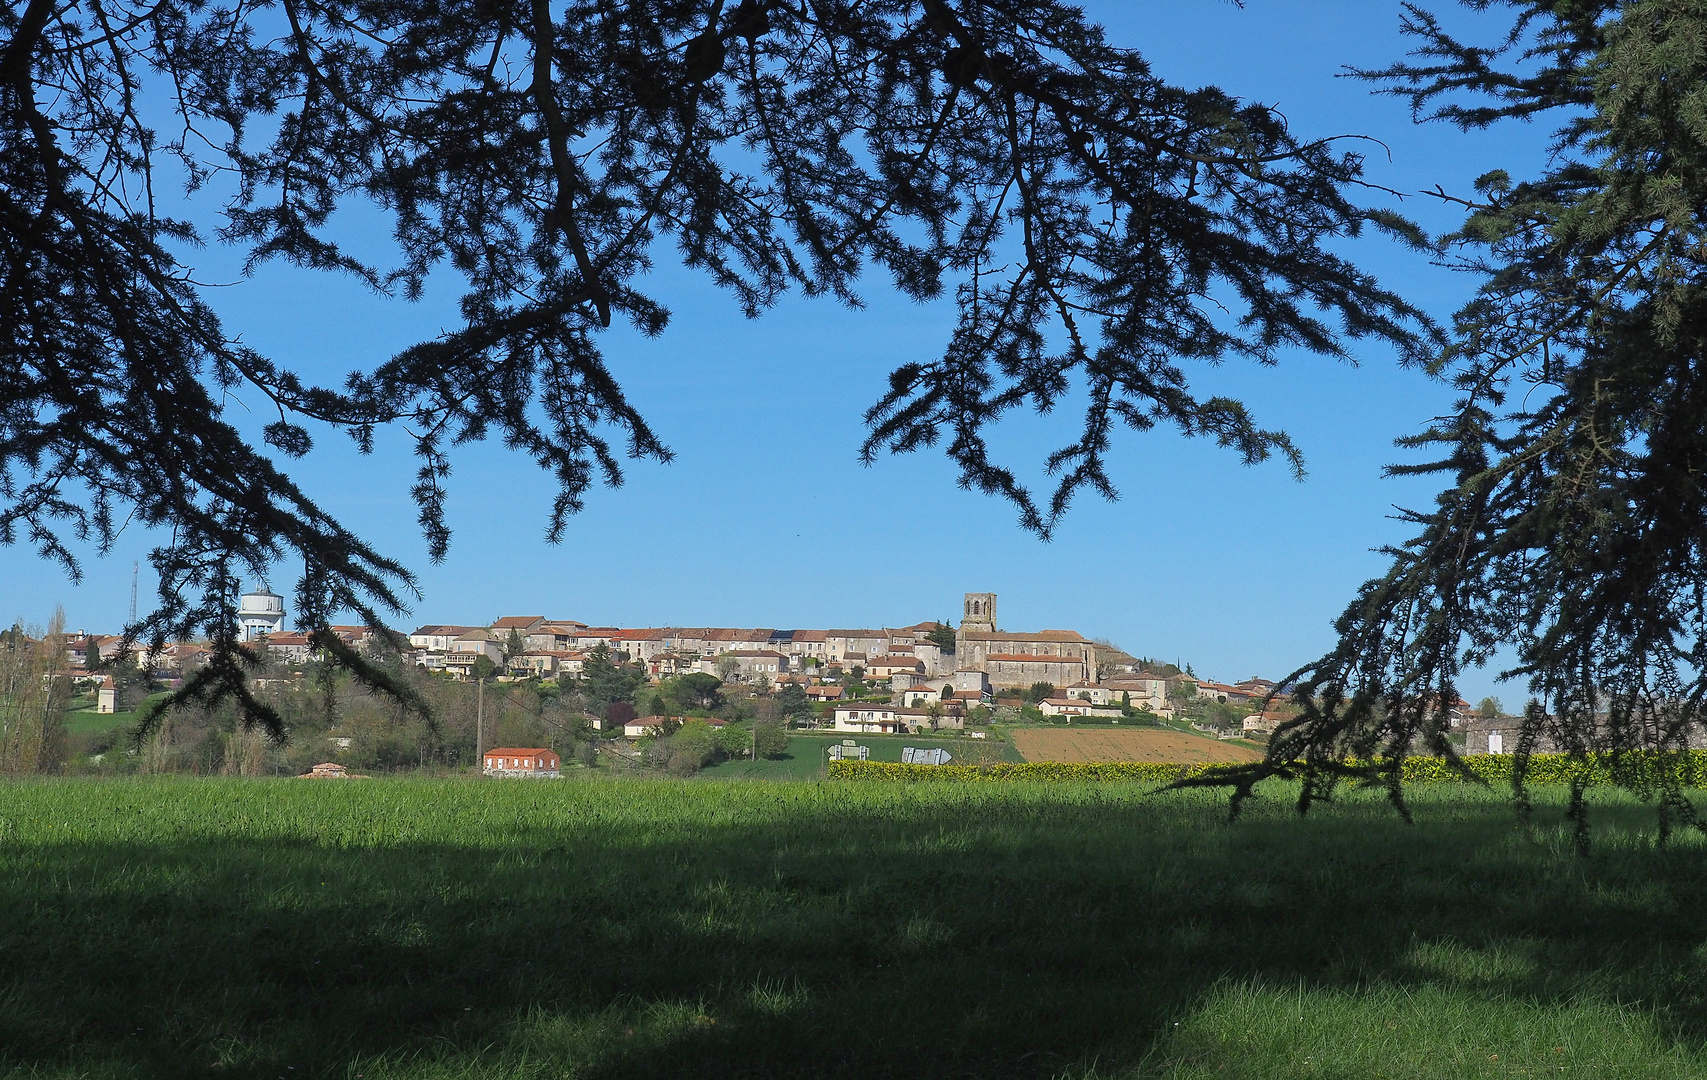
{"points": [[1573, 530]]}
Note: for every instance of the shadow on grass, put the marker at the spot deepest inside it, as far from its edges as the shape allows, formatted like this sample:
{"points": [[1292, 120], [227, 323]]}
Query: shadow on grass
{"points": [[608, 930]]}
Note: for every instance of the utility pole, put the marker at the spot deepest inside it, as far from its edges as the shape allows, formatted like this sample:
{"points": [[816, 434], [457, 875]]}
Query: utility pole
{"points": [[480, 722]]}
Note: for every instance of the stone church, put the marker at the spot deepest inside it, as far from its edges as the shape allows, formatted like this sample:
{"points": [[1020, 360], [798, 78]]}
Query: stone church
{"points": [[1060, 657]]}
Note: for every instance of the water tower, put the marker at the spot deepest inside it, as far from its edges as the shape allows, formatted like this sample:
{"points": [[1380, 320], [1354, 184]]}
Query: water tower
{"points": [[260, 612]]}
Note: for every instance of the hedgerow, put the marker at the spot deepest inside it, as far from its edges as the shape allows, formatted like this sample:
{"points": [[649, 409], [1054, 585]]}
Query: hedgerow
{"points": [[1690, 767]]}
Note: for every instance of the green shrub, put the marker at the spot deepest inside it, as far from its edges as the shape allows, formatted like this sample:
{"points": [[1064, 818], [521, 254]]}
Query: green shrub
{"points": [[769, 740], [692, 748], [733, 741]]}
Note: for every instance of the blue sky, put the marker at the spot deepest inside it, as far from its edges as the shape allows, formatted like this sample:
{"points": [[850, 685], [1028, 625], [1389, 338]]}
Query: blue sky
{"points": [[767, 518]]}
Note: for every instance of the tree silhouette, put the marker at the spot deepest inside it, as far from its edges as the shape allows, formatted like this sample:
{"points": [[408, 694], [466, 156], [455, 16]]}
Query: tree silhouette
{"points": [[1093, 224], [1572, 531]]}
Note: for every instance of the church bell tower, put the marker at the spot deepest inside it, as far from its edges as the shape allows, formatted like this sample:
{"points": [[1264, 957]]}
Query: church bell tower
{"points": [[979, 612]]}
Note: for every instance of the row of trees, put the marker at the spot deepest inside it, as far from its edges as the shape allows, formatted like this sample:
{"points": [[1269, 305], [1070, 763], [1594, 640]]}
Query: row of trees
{"points": [[34, 697], [686, 748]]}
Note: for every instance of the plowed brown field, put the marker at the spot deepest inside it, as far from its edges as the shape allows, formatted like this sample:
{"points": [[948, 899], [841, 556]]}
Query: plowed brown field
{"points": [[1046, 744]]}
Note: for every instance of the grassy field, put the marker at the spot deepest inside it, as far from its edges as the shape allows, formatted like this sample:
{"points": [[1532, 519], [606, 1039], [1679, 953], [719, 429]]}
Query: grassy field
{"points": [[87, 721], [398, 928]]}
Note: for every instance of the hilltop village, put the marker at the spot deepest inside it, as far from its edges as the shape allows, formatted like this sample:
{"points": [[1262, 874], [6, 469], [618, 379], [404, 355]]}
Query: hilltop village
{"points": [[931, 675], [925, 676]]}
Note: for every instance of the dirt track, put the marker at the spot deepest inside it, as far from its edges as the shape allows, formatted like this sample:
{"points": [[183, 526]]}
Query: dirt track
{"points": [[1053, 744]]}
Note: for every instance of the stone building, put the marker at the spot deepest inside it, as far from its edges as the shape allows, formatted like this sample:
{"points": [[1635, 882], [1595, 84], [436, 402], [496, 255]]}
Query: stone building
{"points": [[1061, 657]]}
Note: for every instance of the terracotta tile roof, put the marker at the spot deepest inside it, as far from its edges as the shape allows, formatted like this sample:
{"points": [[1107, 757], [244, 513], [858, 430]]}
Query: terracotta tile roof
{"points": [[518, 622], [513, 751], [1041, 635]]}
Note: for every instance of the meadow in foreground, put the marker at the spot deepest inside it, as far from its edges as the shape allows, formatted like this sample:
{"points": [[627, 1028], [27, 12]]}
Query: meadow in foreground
{"points": [[428, 929]]}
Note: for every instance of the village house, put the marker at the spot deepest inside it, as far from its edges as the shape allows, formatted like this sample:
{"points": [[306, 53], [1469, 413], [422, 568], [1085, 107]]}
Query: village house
{"points": [[438, 638], [639, 646], [547, 664], [1094, 693], [1060, 706], [521, 624], [1221, 692], [849, 647], [1264, 723], [940, 693], [666, 664], [527, 762], [869, 717], [709, 641], [480, 642], [875, 718], [91, 650], [180, 658], [1257, 687], [825, 692], [929, 653], [754, 664], [356, 637], [644, 726], [556, 636], [800, 645], [886, 667], [463, 665], [1138, 691], [971, 684], [288, 648]]}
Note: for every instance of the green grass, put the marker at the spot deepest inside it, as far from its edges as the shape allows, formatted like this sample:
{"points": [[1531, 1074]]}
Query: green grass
{"points": [[87, 721], [398, 928], [805, 756]]}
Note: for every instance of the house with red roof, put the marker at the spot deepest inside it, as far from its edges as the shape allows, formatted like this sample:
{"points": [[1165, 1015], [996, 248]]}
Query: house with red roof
{"points": [[528, 762]]}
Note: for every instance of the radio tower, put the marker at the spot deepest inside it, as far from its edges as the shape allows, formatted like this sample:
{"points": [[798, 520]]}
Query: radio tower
{"points": [[135, 569]]}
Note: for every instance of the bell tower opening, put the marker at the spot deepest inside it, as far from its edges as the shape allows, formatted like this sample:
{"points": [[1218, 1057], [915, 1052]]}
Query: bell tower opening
{"points": [[979, 612]]}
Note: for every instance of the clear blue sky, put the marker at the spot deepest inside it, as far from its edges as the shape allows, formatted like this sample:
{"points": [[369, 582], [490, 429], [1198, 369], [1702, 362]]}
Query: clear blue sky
{"points": [[767, 518]]}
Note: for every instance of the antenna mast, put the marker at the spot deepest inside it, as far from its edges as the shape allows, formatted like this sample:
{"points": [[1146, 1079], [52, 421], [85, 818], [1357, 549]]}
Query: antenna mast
{"points": [[135, 569]]}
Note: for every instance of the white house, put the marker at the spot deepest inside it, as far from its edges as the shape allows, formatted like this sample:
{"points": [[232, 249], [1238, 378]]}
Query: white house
{"points": [[868, 716], [1058, 706]]}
